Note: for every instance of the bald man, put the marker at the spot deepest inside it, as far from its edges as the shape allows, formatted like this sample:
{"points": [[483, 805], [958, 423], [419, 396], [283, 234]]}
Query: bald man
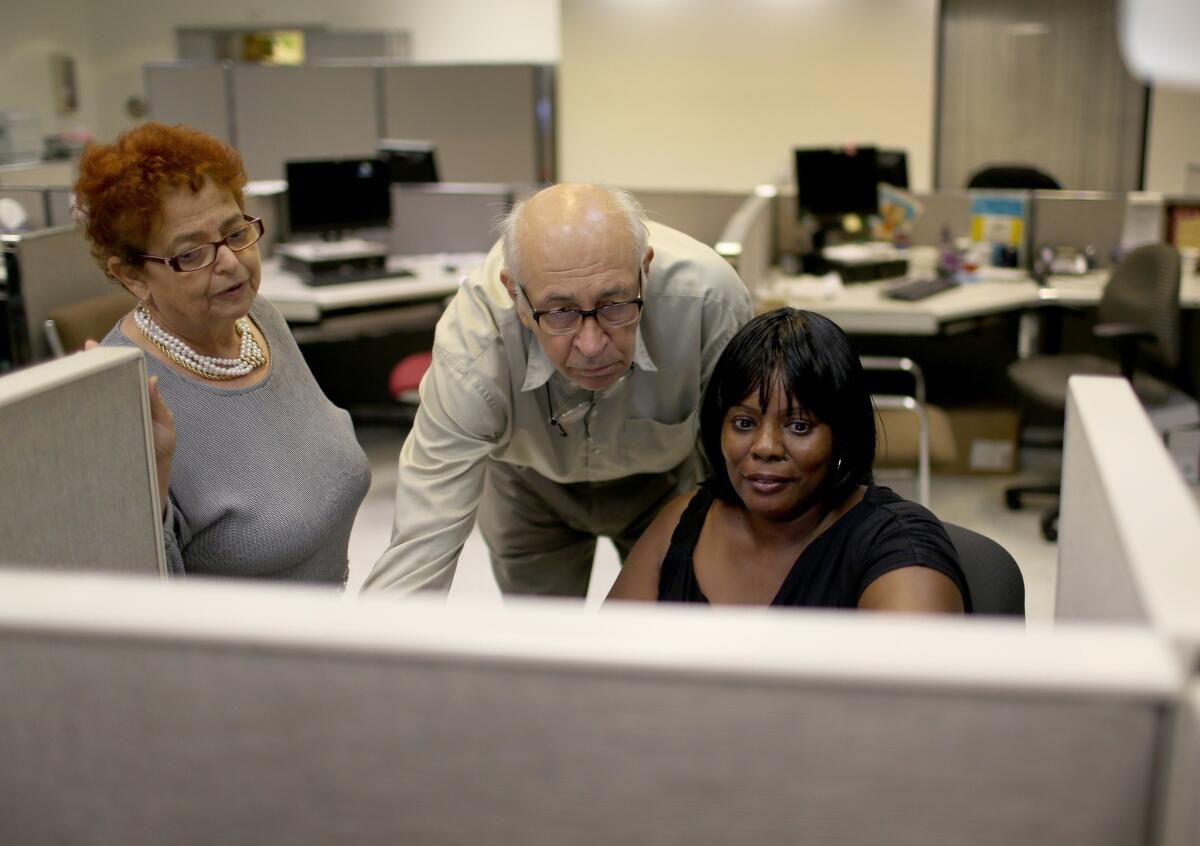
{"points": [[560, 405]]}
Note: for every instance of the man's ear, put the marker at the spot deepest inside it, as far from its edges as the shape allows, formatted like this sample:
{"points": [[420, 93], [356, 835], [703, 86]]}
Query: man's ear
{"points": [[130, 279], [510, 284], [646, 261]]}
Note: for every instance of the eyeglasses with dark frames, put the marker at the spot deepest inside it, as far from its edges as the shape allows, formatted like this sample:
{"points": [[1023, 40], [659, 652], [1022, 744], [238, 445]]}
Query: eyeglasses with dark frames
{"points": [[198, 258], [568, 321]]}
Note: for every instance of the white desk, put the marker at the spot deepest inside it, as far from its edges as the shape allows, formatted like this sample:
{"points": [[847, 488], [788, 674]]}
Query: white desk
{"points": [[862, 308], [434, 277]]}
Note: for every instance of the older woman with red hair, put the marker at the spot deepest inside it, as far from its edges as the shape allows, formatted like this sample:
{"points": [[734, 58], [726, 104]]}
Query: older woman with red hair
{"points": [[260, 475]]}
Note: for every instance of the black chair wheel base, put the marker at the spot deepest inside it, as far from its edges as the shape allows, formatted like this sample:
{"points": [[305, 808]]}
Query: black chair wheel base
{"points": [[1013, 500]]}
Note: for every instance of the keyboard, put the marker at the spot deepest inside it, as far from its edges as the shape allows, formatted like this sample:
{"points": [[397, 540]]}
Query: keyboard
{"points": [[911, 290]]}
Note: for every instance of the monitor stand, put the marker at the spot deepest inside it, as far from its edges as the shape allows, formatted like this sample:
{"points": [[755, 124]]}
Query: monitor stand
{"points": [[334, 262]]}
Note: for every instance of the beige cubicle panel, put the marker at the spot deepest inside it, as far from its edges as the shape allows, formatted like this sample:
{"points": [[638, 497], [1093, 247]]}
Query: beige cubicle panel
{"points": [[77, 473], [190, 712], [47, 269], [60, 173], [1129, 528], [490, 123], [447, 217], [194, 93], [315, 111]]}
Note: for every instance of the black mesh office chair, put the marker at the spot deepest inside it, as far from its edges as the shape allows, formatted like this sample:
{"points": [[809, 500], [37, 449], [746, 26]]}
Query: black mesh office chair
{"points": [[993, 577], [1013, 177], [1139, 315]]}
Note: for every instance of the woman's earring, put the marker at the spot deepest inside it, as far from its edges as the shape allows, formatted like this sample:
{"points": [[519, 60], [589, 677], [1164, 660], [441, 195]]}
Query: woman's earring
{"points": [[838, 468]]}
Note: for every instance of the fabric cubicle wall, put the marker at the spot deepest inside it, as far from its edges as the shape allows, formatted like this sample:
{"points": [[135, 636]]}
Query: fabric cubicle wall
{"points": [[301, 718], [491, 123], [77, 484]]}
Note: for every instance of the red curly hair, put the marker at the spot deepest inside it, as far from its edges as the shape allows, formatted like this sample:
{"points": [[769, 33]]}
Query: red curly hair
{"points": [[121, 185]]}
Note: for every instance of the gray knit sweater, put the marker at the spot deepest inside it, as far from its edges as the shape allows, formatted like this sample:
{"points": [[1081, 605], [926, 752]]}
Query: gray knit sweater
{"points": [[267, 479]]}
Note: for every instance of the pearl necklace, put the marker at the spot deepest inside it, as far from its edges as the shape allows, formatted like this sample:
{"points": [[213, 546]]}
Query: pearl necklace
{"points": [[250, 355]]}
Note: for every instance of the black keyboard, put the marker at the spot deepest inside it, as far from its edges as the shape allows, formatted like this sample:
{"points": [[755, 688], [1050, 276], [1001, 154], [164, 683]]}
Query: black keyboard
{"points": [[911, 290]]}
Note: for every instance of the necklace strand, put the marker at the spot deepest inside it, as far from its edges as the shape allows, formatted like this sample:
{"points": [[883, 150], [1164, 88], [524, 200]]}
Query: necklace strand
{"points": [[250, 354]]}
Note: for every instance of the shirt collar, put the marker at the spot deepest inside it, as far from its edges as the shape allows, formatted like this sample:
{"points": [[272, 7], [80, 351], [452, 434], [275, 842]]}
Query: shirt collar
{"points": [[539, 368]]}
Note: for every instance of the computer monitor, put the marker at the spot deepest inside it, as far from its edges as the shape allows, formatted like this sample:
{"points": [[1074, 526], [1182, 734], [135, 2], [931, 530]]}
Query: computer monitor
{"points": [[333, 195], [892, 167], [837, 181], [409, 161]]}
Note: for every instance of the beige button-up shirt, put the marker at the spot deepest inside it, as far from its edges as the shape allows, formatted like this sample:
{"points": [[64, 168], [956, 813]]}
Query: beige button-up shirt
{"points": [[484, 397]]}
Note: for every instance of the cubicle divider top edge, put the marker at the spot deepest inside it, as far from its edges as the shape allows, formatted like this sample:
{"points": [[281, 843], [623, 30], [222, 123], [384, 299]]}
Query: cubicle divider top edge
{"points": [[952, 654]]}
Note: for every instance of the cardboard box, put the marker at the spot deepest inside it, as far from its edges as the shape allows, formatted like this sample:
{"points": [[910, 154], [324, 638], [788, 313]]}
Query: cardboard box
{"points": [[985, 440]]}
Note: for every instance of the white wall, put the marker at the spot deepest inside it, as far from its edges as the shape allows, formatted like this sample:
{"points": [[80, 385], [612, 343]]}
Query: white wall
{"points": [[1174, 137], [714, 94], [113, 39]]}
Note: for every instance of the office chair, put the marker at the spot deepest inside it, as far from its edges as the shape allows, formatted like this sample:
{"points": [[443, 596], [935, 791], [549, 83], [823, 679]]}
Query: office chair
{"points": [[1012, 177], [1139, 315], [993, 577], [67, 327]]}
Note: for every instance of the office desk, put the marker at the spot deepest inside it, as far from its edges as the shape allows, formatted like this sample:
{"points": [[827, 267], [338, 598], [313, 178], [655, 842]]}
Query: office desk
{"points": [[434, 278], [862, 308]]}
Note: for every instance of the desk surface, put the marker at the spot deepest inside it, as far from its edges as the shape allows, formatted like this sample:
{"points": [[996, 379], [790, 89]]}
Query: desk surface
{"points": [[434, 277], [862, 308]]}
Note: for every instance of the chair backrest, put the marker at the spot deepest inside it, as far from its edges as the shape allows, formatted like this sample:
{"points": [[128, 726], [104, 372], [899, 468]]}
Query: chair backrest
{"points": [[993, 576], [1144, 291], [1013, 176]]}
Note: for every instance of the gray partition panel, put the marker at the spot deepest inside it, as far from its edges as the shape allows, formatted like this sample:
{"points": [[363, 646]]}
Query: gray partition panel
{"points": [[1079, 219], [943, 210], [309, 112], [701, 214], [193, 93], [352, 724], [446, 218], [482, 118], [55, 268], [33, 201], [76, 471]]}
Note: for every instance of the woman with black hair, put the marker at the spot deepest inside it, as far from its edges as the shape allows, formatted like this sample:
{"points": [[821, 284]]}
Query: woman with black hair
{"points": [[789, 514]]}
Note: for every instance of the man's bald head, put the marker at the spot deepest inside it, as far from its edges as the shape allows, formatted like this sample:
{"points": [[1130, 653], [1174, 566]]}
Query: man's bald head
{"points": [[573, 222]]}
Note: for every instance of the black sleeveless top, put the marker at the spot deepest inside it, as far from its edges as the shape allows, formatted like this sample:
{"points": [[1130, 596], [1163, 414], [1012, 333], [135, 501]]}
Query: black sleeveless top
{"points": [[882, 533]]}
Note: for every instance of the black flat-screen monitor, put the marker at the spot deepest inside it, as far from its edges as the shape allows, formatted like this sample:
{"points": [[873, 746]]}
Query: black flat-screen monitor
{"points": [[892, 166], [338, 194], [409, 161], [837, 180]]}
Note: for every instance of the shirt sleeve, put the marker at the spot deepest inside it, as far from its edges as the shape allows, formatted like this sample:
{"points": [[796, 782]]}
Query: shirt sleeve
{"points": [[726, 310], [908, 536], [458, 425]]}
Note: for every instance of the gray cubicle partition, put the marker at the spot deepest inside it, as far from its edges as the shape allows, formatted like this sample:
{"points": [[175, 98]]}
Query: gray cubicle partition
{"points": [[491, 123], [77, 474], [46, 269], [701, 214], [195, 93], [447, 217], [1078, 219], [323, 111], [141, 712], [32, 201]]}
